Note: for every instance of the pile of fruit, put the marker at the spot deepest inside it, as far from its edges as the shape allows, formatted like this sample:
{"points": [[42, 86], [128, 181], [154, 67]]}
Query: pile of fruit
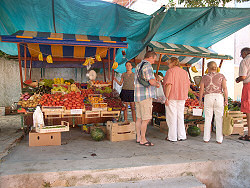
{"points": [[52, 100], [46, 82], [193, 95], [191, 102], [62, 88], [113, 94], [95, 99], [86, 92], [69, 82], [99, 105], [194, 87], [73, 100], [26, 100], [114, 103], [58, 81], [233, 105], [103, 90], [100, 82]]}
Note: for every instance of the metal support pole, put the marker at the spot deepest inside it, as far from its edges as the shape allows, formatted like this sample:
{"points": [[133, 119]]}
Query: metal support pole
{"points": [[20, 65]]}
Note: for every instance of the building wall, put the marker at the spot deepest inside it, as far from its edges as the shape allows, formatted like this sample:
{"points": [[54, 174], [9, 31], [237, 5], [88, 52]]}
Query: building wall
{"points": [[10, 86]]}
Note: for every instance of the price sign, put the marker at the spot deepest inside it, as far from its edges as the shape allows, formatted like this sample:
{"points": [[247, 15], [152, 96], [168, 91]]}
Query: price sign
{"points": [[76, 111]]}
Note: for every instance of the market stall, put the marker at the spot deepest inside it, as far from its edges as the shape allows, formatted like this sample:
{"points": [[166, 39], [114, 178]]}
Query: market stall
{"points": [[66, 100]]}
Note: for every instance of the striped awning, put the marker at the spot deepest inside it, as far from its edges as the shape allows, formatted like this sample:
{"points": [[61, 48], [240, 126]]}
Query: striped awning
{"points": [[64, 45], [64, 39], [185, 53]]}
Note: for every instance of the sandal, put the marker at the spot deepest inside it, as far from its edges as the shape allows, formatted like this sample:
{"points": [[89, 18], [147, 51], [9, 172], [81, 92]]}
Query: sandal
{"points": [[147, 144], [169, 140], [245, 138]]}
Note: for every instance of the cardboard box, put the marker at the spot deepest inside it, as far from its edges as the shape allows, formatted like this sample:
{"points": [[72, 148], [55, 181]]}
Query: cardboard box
{"points": [[201, 126], [164, 127], [44, 139], [120, 131]]}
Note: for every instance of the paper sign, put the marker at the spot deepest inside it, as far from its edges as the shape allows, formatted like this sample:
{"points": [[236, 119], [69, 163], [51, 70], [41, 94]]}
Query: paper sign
{"points": [[76, 111], [197, 112]]}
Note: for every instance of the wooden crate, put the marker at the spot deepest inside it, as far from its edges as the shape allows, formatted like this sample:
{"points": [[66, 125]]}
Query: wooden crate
{"points": [[55, 128], [238, 130], [110, 113], [52, 114], [91, 114], [53, 108], [103, 108], [201, 126], [120, 131], [164, 127], [71, 114], [239, 122]]}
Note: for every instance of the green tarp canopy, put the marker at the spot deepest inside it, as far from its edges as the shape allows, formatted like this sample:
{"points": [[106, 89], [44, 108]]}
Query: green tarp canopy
{"points": [[186, 54], [186, 26], [185, 50]]}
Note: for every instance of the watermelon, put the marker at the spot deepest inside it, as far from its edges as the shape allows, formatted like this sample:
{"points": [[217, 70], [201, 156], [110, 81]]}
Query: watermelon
{"points": [[194, 131], [97, 134]]}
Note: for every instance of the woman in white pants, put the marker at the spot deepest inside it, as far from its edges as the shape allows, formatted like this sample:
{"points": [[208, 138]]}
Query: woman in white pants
{"points": [[214, 85], [177, 84]]}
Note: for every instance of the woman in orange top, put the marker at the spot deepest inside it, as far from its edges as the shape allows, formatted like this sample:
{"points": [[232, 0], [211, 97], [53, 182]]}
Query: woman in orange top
{"points": [[177, 84]]}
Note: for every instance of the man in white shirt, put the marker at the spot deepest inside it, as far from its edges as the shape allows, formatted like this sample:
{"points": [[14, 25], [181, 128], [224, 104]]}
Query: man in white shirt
{"points": [[244, 75]]}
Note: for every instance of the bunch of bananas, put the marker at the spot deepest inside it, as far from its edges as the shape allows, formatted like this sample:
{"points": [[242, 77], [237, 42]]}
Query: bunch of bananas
{"points": [[98, 57], [89, 60], [40, 56], [115, 65], [49, 59], [194, 69]]}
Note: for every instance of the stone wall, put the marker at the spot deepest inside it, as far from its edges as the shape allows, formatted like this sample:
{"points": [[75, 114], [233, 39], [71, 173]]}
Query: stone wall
{"points": [[10, 86]]}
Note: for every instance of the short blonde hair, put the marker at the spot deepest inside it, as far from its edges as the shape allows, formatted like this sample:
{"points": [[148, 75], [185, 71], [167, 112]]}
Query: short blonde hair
{"points": [[174, 60]]}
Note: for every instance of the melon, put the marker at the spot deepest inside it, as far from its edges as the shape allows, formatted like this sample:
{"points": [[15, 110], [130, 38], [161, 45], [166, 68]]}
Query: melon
{"points": [[97, 134], [194, 131]]}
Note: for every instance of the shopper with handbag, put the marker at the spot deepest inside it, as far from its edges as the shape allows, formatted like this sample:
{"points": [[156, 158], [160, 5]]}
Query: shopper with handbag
{"points": [[213, 85], [145, 84]]}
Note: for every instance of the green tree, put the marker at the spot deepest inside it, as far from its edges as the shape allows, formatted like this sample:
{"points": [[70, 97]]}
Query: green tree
{"points": [[207, 3]]}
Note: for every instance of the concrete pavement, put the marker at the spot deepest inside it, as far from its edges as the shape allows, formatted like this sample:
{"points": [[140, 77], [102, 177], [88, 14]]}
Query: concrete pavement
{"points": [[81, 161]]}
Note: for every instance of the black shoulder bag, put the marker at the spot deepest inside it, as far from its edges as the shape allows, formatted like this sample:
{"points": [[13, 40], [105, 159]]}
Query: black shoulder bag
{"points": [[140, 77]]}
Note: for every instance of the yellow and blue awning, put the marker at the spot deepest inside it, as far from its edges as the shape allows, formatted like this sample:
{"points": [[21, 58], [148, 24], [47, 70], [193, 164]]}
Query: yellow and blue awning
{"points": [[64, 45], [65, 39]]}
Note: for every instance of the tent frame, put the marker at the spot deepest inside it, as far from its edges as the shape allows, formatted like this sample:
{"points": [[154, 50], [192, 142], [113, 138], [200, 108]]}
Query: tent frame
{"points": [[31, 59]]}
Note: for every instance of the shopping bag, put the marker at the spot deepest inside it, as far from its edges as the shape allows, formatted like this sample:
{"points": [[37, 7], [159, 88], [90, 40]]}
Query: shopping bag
{"points": [[228, 123], [160, 96]]}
